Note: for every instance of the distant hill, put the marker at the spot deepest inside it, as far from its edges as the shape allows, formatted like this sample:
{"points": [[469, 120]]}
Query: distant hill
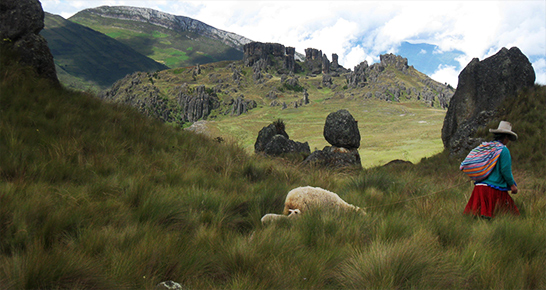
{"points": [[175, 41], [87, 58], [240, 98]]}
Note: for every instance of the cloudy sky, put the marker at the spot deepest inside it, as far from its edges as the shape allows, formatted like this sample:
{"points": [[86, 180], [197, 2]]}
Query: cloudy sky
{"points": [[362, 30]]}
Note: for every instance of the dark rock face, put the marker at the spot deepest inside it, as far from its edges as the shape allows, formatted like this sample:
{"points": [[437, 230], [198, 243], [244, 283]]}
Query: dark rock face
{"points": [[198, 105], [279, 145], [313, 60], [483, 86], [274, 141], [263, 55], [266, 134], [20, 23], [334, 157], [241, 106], [341, 130]]}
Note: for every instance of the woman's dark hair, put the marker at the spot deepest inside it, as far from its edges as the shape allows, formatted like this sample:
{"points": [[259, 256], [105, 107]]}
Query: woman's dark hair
{"points": [[500, 136]]}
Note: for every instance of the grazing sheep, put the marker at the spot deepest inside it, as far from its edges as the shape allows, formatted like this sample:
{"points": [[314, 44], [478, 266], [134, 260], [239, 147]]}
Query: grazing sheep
{"points": [[305, 198], [272, 217]]}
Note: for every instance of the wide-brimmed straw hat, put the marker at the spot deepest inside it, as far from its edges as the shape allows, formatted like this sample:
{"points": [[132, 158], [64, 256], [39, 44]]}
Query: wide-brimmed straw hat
{"points": [[505, 128]]}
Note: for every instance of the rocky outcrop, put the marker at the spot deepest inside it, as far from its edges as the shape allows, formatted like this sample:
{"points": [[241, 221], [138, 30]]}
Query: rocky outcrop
{"points": [[274, 141], [186, 105], [382, 82], [20, 24], [341, 131], [197, 105], [279, 145], [241, 106], [313, 60], [261, 56], [483, 86]]}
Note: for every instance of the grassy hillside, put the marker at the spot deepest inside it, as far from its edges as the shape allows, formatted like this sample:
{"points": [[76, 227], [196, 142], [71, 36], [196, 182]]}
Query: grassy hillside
{"points": [[96, 196], [169, 47], [85, 58]]}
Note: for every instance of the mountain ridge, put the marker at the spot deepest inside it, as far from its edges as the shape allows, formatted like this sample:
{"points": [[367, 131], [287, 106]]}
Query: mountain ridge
{"points": [[169, 21], [94, 59]]}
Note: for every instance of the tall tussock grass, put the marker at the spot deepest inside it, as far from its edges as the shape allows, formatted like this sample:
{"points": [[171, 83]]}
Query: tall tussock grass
{"points": [[96, 196]]}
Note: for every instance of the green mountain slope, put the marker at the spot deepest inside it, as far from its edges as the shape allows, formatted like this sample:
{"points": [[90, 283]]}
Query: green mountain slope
{"points": [[175, 41], [97, 196], [85, 57]]}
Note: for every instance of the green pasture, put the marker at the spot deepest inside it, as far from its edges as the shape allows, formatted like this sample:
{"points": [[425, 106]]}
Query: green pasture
{"points": [[407, 131], [97, 196]]}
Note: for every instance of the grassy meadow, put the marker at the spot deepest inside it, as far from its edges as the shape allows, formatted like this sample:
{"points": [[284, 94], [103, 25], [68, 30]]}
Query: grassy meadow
{"points": [[96, 196]]}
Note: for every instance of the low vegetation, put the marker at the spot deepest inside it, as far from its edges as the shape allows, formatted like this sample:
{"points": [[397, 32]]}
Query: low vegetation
{"points": [[96, 196]]}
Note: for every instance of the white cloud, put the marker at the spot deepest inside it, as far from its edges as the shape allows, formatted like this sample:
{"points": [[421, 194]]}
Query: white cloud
{"points": [[361, 30], [446, 74], [540, 71]]}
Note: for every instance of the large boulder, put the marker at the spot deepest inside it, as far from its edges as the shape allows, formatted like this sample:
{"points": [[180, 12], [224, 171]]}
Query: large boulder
{"points": [[266, 134], [341, 130], [20, 24], [274, 141], [483, 87], [279, 145]]}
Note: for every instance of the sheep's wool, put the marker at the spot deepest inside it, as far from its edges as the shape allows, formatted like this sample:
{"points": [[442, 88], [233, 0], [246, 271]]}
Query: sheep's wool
{"points": [[304, 198]]}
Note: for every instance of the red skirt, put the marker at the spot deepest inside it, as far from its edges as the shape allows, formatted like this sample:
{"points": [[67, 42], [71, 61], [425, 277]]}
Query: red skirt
{"points": [[486, 201]]}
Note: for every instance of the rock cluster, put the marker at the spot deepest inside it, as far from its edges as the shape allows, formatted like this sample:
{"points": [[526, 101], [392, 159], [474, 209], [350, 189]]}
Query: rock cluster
{"points": [[274, 141], [341, 131], [20, 24], [483, 87], [241, 106], [370, 76], [188, 105], [317, 63]]}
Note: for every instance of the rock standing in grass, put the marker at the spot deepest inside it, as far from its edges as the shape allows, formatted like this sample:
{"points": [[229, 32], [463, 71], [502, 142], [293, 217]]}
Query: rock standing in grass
{"points": [[490, 195]]}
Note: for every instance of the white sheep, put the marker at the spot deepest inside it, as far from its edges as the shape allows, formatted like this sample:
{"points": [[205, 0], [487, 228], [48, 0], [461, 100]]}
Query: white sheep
{"points": [[308, 197], [302, 199]]}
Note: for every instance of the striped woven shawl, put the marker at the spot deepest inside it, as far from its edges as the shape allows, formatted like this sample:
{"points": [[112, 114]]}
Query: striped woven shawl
{"points": [[481, 160]]}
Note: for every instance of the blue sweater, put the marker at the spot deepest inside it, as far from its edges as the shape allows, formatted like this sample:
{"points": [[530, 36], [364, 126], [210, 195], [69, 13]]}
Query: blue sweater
{"points": [[501, 177]]}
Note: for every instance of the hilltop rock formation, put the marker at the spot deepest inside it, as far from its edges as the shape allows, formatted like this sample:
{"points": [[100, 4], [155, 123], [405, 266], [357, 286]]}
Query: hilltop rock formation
{"points": [[20, 24], [261, 56], [385, 85], [274, 141], [318, 63], [483, 86], [341, 131], [187, 105]]}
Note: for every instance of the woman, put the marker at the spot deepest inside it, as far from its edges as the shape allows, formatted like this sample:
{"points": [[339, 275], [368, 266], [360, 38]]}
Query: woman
{"points": [[490, 195]]}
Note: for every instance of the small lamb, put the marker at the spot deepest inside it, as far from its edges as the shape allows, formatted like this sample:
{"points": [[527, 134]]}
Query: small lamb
{"points": [[273, 217]]}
